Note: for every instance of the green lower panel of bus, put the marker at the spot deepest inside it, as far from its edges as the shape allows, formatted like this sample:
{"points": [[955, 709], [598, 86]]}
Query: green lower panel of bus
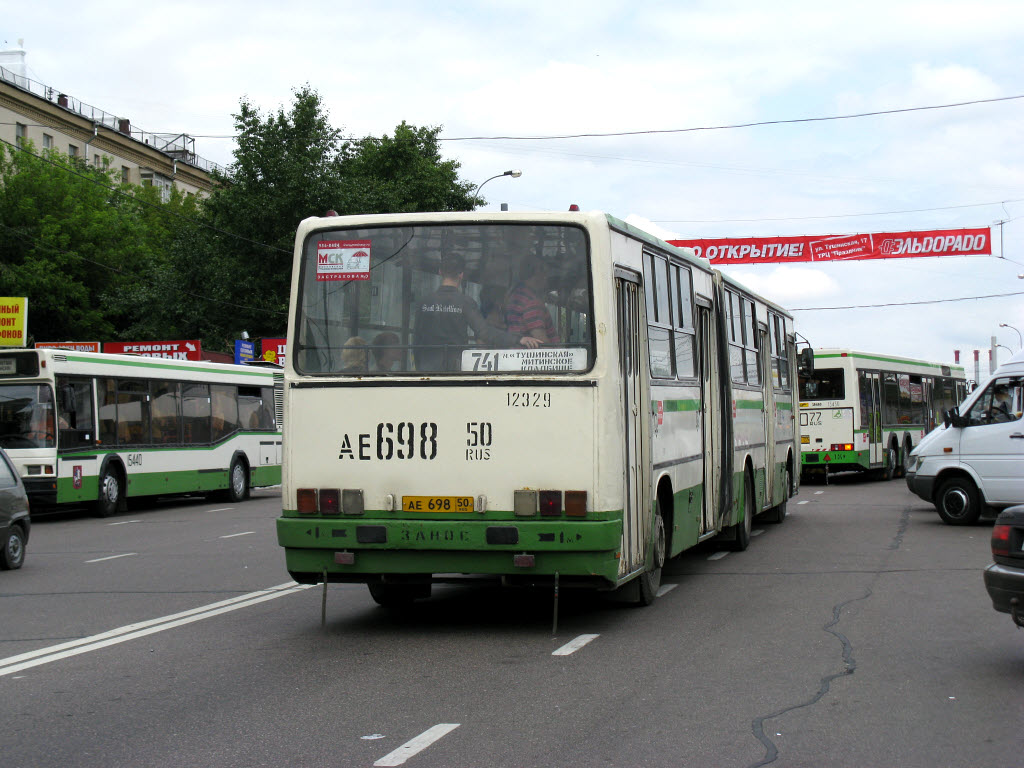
{"points": [[157, 483], [569, 548], [836, 460]]}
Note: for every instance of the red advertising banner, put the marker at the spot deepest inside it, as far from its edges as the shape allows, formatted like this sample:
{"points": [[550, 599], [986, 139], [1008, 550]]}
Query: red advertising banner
{"points": [[70, 346], [975, 241], [189, 349], [273, 350]]}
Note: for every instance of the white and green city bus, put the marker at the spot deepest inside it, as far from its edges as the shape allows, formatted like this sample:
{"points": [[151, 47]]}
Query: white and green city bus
{"points": [[95, 429], [866, 411], [658, 413]]}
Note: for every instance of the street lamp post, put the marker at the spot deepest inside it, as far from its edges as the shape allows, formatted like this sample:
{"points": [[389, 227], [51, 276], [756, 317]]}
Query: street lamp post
{"points": [[1020, 342], [514, 174]]}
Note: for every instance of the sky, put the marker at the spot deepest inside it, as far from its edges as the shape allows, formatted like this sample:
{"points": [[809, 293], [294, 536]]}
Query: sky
{"points": [[524, 68]]}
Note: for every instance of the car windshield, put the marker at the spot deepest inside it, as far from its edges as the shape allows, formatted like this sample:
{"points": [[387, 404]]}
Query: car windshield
{"points": [[444, 299], [26, 416]]}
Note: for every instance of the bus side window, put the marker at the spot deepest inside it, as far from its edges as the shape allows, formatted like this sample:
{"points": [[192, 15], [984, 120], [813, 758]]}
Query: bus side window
{"points": [[74, 412]]}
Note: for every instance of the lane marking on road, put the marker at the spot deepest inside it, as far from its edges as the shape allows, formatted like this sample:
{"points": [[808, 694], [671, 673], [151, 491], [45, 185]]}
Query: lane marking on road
{"points": [[232, 535], [665, 589], [125, 522], [574, 645], [718, 555], [757, 532], [35, 658], [222, 509], [818, 493], [112, 557], [416, 745], [803, 502]]}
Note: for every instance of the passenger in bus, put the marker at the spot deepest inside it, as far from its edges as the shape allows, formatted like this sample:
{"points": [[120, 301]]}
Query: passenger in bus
{"points": [[492, 305], [443, 320], [354, 356], [385, 351], [525, 313]]}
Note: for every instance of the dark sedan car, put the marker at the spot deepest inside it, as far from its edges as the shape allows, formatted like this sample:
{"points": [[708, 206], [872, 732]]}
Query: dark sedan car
{"points": [[14, 520], [1004, 579]]}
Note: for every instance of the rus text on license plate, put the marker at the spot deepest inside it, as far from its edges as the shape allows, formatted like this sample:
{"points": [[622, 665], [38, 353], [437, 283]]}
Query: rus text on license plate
{"points": [[437, 503]]}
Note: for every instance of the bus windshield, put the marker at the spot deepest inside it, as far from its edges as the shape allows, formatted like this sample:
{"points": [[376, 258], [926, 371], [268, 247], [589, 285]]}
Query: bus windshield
{"points": [[444, 299], [823, 384], [26, 416]]}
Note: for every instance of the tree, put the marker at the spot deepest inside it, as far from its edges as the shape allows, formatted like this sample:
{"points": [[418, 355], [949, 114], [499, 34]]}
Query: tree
{"points": [[403, 174], [71, 243]]}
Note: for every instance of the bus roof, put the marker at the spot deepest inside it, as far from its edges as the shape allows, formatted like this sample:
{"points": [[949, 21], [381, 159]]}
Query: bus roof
{"points": [[894, 361]]}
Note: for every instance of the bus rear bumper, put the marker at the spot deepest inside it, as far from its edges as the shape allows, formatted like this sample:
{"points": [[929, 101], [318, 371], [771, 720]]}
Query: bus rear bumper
{"points": [[530, 551]]}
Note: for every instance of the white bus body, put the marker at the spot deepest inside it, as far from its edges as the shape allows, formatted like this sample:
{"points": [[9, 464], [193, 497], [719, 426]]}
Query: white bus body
{"points": [[627, 439]]}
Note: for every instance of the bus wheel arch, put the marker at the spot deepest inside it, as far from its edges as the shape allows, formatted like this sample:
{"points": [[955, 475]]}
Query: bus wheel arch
{"points": [[112, 490], [739, 532], [238, 477], [666, 506]]}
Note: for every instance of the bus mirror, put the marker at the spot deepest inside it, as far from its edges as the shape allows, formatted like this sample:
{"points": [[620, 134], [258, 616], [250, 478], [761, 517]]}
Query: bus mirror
{"points": [[805, 362]]}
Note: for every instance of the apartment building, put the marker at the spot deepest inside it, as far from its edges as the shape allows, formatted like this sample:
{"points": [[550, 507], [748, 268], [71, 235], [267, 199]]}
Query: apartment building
{"points": [[53, 120]]}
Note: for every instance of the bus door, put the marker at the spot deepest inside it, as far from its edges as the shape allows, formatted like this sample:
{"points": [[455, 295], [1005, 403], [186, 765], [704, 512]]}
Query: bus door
{"points": [[634, 522], [708, 407], [871, 412], [764, 353]]}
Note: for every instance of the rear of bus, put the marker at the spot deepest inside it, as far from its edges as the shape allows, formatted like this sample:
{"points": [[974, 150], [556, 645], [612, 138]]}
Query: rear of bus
{"points": [[411, 460]]}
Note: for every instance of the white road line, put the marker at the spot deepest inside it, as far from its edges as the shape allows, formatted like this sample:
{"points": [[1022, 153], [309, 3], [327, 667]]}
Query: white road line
{"points": [[416, 745], [802, 502], [83, 645], [112, 557], [757, 532], [125, 522], [574, 645], [232, 535], [818, 493], [222, 509], [718, 555], [665, 589]]}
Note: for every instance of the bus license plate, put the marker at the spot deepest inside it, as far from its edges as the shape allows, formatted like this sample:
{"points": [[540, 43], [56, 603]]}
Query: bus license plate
{"points": [[437, 503]]}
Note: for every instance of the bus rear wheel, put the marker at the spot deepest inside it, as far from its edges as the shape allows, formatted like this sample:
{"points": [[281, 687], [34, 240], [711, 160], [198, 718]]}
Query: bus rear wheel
{"points": [[238, 481], [398, 595]]}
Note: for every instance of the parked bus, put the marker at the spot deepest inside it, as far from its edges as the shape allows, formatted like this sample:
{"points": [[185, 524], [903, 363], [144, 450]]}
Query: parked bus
{"points": [[97, 429], [866, 411], [657, 413]]}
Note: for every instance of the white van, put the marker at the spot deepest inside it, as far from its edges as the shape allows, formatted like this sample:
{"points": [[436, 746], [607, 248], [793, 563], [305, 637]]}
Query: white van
{"points": [[977, 458]]}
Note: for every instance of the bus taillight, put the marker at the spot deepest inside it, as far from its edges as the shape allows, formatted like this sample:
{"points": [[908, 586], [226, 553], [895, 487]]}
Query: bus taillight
{"points": [[330, 501], [550, 503], [576, 503], [305, 501], [842, 446]]}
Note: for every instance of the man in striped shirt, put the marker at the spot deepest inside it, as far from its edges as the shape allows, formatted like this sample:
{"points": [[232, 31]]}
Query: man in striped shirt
{"points": [[525, 313]]}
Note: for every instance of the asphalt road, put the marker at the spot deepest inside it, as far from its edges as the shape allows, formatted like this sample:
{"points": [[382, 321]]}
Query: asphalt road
{"points": [[857, 633]]}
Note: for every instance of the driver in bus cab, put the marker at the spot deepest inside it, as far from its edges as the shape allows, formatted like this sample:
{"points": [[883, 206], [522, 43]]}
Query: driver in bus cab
{"points": [[444, 317]]}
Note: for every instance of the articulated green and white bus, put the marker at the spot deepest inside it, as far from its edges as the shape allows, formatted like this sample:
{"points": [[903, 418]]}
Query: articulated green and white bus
{"points": [[658, 413], [866, 411], [95, 429]]}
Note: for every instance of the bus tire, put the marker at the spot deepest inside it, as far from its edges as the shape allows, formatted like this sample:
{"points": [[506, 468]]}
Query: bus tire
{"points": [[650, 581], [888, 464], [238, 480], [901, 467], [111, 492], [957, 502], [13, 554], [397, 595], [739, 534], [777, 514]]}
